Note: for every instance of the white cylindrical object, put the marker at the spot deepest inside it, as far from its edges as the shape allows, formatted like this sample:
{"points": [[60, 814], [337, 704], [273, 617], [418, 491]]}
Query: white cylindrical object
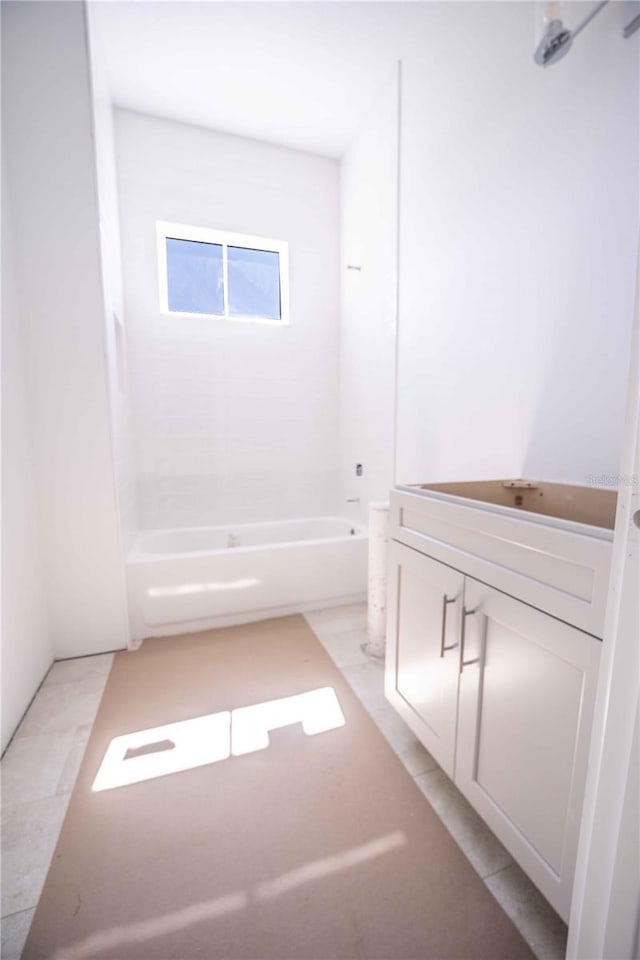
{"points": [[377, 595]]}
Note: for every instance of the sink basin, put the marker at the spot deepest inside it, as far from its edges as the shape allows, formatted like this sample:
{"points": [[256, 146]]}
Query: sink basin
{"points": [[592, 505], [547, 544]]}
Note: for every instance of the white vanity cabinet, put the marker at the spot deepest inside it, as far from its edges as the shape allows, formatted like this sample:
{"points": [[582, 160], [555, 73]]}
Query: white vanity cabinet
{"points": [[526, 700], [421, 676], [500, 692]]}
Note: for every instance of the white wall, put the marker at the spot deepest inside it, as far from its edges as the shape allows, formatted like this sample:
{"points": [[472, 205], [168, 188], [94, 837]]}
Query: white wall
{"points": [[622, 936], [234, 421], [368, 210], [519, 215], [47, 129], [115, 336], [605, 909], [27, 650]]}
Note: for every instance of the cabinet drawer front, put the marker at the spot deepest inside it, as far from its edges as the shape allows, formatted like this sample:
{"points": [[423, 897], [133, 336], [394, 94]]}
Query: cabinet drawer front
{"points": [[421, 668], [562, 572], [525, 709]]}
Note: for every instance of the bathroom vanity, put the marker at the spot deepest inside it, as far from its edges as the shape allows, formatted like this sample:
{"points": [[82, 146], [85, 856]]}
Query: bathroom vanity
{"points": [[496, 603]]}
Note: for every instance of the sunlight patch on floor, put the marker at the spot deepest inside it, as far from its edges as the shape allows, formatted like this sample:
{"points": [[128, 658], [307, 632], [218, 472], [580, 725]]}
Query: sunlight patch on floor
{"points": [[329, 865], [187, 744], [144, 930], [317, 711]]}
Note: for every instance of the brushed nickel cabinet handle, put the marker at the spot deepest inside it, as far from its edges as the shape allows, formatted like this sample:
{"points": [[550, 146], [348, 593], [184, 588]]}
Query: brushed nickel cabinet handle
{"points": [[465, 663], [445, 603]]}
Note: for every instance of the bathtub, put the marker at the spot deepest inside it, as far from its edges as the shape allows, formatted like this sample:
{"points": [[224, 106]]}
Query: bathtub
{"points": [[180, 581]]}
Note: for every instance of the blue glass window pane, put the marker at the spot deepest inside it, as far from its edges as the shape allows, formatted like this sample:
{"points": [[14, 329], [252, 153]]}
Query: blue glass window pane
{"points": [[254, 283], [194, 276]]}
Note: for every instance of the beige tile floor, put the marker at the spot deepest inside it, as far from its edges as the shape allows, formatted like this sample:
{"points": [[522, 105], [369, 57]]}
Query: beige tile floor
{"points": [[42, 762]]}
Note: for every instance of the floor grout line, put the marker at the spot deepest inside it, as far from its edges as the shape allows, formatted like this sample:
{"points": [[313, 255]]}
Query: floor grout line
{"points": [[88, 656], [16, 913], [507, 866]]}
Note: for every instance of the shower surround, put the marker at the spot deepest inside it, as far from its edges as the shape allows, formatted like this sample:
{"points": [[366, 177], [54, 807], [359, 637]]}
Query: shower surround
{"points": [[234, 422]]}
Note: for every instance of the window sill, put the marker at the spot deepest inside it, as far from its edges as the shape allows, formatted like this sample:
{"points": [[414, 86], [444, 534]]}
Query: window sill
{"points": [[265, 321]]}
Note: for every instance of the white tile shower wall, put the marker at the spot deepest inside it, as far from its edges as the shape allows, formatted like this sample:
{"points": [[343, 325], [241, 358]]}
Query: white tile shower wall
{"points": [[235, 421], [119, 394], [369, 202]]}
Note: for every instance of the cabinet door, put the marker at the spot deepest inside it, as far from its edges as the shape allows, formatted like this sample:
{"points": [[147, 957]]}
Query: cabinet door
{"points": [[421, 672], [525, 708]]}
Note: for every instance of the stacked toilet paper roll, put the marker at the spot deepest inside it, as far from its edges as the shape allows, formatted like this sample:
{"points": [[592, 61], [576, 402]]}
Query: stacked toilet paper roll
{"points": [[377, 587]]}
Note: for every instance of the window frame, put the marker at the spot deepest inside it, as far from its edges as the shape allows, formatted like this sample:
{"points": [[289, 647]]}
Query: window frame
{"points": [[224, 238]]}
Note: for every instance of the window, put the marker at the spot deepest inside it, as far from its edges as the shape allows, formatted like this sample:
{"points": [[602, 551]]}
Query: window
{"points": [[210, 273]]}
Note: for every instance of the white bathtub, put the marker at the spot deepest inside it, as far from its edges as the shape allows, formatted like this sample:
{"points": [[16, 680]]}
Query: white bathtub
{"points": [[193, 579]]}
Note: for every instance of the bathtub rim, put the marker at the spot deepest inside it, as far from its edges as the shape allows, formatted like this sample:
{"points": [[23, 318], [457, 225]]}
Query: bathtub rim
{"points": [[135, 555]]}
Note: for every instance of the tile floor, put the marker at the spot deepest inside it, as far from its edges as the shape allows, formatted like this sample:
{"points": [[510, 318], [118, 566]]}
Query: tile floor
{"points": [[39, 770], [41, 764]]}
